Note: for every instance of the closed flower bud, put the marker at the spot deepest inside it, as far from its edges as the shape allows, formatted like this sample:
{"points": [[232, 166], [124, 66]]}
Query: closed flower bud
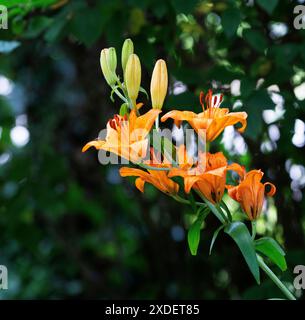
{"points": [[108, 65], [158, 84], [127, 50], [133, 76], [112, 61]]}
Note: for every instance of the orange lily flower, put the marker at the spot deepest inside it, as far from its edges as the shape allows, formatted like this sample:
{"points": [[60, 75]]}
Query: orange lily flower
{"points": [[157, 178], [212, 120], [208, 176], [127, 137], [250, 193]]}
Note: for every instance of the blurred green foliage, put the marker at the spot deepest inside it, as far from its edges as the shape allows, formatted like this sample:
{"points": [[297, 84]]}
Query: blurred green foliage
{"points": [[70, 227]]}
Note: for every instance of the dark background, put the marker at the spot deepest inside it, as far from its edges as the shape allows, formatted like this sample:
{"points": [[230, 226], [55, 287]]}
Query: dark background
{"points": [[72, 228]]}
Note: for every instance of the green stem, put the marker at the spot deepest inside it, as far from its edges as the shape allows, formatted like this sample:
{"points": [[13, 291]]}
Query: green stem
{"points": [[143, 165], [218, 213], [118, 93], [253, 224], [131, 104], [157, 123], [185, 201], [223, 204], [207, 146], [122, 88], [274, 278]]}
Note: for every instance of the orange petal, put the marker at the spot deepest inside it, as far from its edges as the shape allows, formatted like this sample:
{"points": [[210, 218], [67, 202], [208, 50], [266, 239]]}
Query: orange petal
{"points": [[240, 170], [179, 116], [272, 190], [140, 184], [98, 144], [209, 188], [162, 182], [177, 172], [146, 121], [220, 123], [247, 200], [133, 172], [217, 172], [232, 191], [139, 105], [214, 160], [138, 150], [189, 181], [184, 160]]}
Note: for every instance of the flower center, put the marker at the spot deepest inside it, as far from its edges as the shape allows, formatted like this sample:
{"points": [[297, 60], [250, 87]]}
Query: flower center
{"points": [[210, 100], [117, 121]]}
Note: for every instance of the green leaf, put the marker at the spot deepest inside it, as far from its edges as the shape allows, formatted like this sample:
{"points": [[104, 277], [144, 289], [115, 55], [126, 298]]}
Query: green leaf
{"points": [[112, 92], [193, 236], [28, 4], [182, 6], [259, 100], [37, 25], [267, 5], [254, 105], [247, 87], [225, 207], [215, 237], [145, 92], [256, 40], [88, 23], [270, 248], [55, 31], [240, 234], [18, 24], [230, 21], [123, 109]]}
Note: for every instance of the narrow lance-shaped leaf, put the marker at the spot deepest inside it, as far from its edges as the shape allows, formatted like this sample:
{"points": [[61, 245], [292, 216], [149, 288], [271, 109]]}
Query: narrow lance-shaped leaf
{"points": [[112, 92], [240, 234], [145, 92], [215, 237], [270, 248], [193, 235]]}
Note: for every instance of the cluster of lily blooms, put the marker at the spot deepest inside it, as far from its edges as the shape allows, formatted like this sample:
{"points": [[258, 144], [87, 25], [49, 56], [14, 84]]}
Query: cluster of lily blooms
{"points": [[127, 137]]}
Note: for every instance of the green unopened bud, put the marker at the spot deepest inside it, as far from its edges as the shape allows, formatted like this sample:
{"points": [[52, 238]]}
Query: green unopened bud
{"points": [[158, 84], [133, 77], [112, 60], [127, 50], [108, 64]]}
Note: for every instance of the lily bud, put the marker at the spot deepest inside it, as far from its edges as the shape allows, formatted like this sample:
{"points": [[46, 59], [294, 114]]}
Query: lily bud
{"points": [[133, 76], [127, 50], [158, 84], [112, 60], [108, 64]]}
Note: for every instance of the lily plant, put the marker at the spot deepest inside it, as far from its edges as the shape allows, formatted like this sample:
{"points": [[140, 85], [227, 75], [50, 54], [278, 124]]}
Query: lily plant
{"points": [[196, 181]]}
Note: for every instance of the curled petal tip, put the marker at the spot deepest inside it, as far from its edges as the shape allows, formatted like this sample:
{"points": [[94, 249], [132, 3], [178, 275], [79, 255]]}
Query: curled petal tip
{"points": [[97, 144], [272, 190], [85, 148]]}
